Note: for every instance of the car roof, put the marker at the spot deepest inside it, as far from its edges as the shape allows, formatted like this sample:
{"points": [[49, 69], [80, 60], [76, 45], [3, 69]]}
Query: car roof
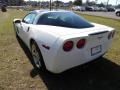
{"points": [[47, 11]]}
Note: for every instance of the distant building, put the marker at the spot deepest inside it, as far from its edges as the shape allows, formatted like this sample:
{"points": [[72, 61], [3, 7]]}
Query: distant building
{"points": [[66, 4]]}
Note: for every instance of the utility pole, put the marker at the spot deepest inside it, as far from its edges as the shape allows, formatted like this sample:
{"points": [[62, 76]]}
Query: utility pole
{"points": [[50, 5], [107, 2], [116, 2], [56, 4]]}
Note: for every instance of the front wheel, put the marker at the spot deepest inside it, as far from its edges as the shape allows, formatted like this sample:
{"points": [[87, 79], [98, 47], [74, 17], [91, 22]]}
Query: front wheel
{"points": [[118, 13], [16, 31], [37, 57]]}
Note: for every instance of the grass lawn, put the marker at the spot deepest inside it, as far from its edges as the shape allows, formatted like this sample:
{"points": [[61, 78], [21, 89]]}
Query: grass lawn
{"points": [[15, 68]]}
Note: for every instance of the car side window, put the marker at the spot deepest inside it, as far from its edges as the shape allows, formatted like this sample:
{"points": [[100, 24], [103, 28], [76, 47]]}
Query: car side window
{"points": [[29, 18]]}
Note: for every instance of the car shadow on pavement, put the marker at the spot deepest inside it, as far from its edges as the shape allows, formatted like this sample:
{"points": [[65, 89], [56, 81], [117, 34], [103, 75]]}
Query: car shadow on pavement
{"points": [[101, 74]]}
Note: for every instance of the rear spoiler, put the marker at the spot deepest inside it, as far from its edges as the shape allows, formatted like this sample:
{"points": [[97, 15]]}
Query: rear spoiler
{"points": [[98, 33]]}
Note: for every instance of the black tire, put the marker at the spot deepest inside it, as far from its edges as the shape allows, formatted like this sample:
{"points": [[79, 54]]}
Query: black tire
{"points": [[118, 13], [40, 63], [16, 33]]}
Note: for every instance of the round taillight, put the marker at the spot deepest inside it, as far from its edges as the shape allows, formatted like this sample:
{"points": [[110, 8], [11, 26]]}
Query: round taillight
{"points": [[81, 43], [68, 46], [110, 35]]}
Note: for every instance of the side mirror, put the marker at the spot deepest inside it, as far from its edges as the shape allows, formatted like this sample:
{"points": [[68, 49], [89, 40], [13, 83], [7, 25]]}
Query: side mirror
{"points": [[17, 21]]}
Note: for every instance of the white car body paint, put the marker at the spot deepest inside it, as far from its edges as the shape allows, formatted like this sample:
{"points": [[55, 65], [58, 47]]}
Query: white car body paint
{"points": [[56, 59]]}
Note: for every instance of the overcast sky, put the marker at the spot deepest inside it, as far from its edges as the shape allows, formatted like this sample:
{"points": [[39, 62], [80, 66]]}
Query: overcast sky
{"points": [[99, 1]]}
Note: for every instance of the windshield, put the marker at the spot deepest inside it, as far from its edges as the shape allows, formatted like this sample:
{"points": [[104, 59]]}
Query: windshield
{"points": [[64, 19]]}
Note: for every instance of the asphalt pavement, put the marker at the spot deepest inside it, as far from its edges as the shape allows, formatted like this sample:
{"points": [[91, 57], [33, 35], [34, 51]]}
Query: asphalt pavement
{"points": [[102, 14]]}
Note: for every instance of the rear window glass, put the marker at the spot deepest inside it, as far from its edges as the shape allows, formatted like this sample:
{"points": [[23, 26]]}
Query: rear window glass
{"points": [[64, 19]]}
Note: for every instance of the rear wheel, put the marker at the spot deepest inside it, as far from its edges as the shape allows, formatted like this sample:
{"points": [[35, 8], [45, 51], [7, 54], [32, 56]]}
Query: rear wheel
{"points": [[37, 57]]}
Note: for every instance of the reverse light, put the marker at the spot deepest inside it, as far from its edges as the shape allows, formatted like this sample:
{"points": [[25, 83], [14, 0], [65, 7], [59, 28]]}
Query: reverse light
{"points": [[81, 43], [68, 46]]}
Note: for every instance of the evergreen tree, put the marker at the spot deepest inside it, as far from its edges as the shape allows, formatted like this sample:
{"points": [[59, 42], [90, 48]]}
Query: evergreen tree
{"points": [[78, 2]]}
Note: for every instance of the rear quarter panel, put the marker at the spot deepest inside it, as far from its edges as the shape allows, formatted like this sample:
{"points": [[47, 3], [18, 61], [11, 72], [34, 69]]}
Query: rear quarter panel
{"points": [[42, 37]]}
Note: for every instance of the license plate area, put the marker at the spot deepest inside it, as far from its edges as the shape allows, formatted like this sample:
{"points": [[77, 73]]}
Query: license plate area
{"points": [[96, 50]]}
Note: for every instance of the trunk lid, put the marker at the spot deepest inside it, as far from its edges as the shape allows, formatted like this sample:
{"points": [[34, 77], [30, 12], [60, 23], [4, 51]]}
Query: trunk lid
{"points": [[97, 41], [62, 31]]}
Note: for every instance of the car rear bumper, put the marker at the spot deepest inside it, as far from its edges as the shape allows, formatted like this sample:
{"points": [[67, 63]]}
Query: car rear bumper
{"points": [[57, 60], [66, 60]]}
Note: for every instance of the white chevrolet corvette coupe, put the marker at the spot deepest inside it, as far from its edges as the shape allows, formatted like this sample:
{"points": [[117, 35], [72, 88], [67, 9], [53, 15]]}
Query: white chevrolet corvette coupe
{"points": [[60, 40]]}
